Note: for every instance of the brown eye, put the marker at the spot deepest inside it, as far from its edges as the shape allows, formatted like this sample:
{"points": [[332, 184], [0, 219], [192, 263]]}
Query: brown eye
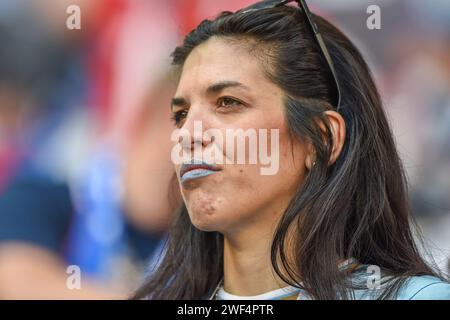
{"points": [[179, 116], [227, 102]]}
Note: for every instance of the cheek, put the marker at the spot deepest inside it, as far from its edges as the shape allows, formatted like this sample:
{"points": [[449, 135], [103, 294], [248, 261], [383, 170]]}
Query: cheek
{"points": [[290, 165], [281, 186], [292, 155], [247, 192]]}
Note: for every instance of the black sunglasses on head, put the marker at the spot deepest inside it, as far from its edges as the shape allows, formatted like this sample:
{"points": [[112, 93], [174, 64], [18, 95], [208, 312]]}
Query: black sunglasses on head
{"points": [[323, 48]]}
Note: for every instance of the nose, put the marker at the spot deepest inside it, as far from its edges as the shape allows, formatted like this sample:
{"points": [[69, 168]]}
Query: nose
{"points": [[192, 137]]}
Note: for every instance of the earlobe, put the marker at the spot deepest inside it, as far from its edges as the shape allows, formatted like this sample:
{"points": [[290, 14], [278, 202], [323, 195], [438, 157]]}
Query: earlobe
{"points": [[310, 160]]}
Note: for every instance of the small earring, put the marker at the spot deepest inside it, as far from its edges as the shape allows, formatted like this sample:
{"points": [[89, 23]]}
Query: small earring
{"points": [[314, 163]]}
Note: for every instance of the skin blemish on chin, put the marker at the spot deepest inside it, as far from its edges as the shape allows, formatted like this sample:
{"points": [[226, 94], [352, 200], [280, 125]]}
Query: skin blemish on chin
{"points": [[206, 204], [209, 209]]}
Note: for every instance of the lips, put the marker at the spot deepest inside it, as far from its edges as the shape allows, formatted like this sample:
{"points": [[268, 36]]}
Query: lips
{"points": [[196, 169]]}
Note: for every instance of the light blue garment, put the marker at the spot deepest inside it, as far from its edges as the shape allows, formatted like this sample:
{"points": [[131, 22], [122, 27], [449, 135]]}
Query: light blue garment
{"points": [[424, 288], [363, 288], [414, 288]]}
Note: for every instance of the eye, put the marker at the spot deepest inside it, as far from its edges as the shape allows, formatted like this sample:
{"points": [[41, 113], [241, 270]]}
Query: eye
{"points": [[179, 116], [228, 103]]}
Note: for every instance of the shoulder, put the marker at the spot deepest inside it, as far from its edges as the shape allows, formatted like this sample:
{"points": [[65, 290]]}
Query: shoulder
{"points": [[424, 288]]}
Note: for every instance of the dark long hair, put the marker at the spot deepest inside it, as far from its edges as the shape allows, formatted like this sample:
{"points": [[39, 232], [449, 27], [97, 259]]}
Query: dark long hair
{"points": [[357, 207]]}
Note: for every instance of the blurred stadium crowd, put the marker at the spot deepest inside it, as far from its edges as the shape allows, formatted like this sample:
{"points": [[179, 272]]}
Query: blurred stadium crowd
{"points": [[85, 171]]}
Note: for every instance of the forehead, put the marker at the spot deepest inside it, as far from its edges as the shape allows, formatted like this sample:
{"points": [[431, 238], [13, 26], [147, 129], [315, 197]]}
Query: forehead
{"points": [[219, 59]]}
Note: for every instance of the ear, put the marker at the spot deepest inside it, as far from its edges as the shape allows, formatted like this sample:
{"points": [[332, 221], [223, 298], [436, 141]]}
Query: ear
{"points": [[338, 129]]}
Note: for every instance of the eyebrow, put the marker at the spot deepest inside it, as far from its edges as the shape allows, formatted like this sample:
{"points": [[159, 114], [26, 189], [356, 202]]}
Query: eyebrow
{"points": [[178, 102], [212, 89], [219, 86]]}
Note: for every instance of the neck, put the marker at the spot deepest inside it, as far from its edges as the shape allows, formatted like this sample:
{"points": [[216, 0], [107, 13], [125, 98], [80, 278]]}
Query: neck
{"points": [[248, 269]]}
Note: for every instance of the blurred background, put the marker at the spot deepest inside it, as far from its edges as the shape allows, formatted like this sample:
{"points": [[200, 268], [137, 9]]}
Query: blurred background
{"points": [[85, 171]]}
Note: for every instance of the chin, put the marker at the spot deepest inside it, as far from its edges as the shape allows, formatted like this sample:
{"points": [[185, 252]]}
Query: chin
{"points": [[202, 218], [204, 224], [205, 227], [207, 220]]}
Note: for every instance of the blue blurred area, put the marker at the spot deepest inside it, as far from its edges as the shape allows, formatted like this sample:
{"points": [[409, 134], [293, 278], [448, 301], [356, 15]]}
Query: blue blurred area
{"points": [[50, 124]]}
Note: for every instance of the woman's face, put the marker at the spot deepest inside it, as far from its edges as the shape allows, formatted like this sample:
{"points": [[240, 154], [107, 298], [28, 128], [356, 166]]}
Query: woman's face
{"points": [[225, 88]]}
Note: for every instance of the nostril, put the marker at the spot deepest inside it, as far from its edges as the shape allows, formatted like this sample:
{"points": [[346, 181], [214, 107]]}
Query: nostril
{"points": [[197, 142]]}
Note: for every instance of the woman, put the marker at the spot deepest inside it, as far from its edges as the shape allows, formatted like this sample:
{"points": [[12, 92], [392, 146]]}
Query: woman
{"points": [[333, 222]]}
